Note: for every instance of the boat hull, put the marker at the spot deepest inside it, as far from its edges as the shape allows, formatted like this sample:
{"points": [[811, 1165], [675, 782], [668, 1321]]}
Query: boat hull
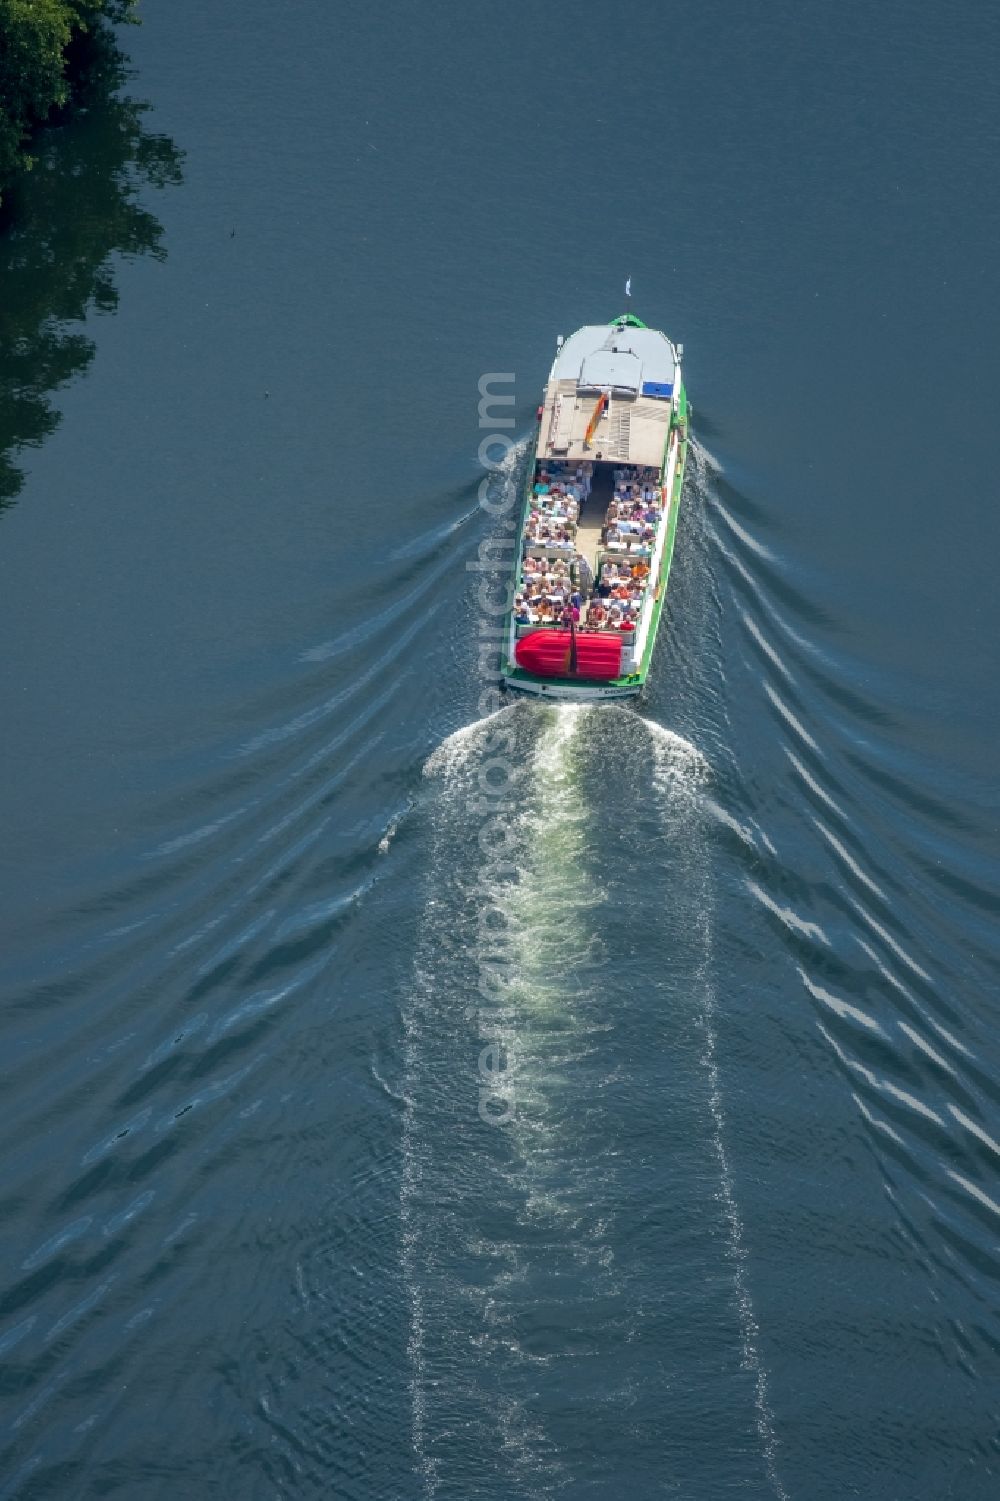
{"points": [[515, 679], [567, 690]]}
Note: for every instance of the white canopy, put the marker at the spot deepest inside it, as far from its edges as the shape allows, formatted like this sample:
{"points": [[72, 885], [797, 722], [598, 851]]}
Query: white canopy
{"points": [[646, 348], [620, 370]]}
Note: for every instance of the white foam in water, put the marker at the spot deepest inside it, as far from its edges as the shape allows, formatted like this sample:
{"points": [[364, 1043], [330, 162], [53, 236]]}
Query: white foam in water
{"points": [[552, 823], [703, 459], [679, 766], [392, 827], [457, 748], [386, 841], [744, 536], [560, 1194], [680, 772], [546, 909], [550, 755], [450, 763], [409, 1256]]}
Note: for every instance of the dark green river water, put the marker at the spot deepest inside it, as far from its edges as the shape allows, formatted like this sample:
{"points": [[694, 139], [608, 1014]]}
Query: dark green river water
{"points": [[739, 1234]]}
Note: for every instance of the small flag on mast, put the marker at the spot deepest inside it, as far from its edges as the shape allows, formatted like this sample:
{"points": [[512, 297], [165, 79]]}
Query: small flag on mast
{"points": [[628, 287]]}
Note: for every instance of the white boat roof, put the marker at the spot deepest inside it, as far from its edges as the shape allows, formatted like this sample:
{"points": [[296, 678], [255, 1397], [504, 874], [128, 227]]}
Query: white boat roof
{"points": [[638, 355]]}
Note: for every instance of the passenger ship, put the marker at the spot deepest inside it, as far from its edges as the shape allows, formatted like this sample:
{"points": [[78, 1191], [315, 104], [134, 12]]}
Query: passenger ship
{"points": [[600, 515]]}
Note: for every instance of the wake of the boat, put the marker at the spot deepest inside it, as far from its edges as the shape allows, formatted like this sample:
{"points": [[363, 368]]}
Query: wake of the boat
{"points": [[459, 1179], [458, 751], [487, 1229], [681, 775], [509, 1208]]}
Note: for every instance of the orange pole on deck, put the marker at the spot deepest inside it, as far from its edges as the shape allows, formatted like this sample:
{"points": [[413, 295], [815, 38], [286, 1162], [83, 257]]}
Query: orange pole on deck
{"points": [[602, 402]]}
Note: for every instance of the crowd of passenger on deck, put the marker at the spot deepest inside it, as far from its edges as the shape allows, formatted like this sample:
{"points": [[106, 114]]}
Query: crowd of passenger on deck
{"points": [[560, 589], [634, 513], [559, 490]]}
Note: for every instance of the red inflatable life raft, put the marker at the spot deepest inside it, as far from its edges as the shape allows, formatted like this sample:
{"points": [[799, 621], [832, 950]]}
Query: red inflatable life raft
{"points": [[548, 654]]}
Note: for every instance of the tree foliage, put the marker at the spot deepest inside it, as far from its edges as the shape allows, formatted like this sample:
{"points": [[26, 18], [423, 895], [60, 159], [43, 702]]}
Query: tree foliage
{"points": [[39, 52], [84, 208]]}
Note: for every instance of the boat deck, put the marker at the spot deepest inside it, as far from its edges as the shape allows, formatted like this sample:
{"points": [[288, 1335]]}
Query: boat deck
{"points": [[592, 519], [600, 513], [608, 517]]}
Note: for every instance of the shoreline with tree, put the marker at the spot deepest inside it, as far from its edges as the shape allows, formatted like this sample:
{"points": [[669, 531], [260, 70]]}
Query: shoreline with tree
{"points": [[48, 49]]}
